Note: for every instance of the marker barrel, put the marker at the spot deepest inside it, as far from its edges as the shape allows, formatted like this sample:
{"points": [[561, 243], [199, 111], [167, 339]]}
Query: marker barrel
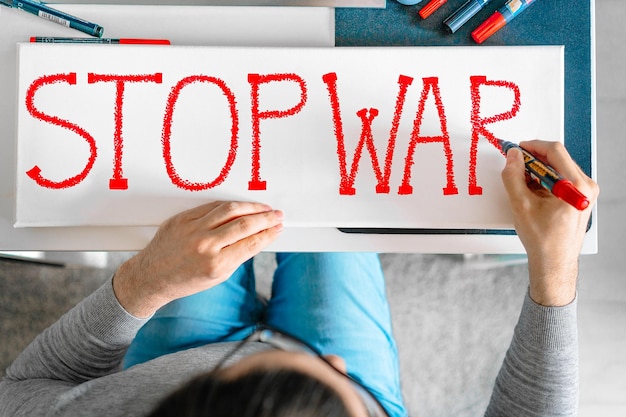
{"points": [[48, 13], [463, 14], [123, 41]]}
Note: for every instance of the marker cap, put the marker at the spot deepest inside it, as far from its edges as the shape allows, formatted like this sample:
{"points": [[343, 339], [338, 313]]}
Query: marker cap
{"points": [[494, 23], [430, 8], [462, 15], [566, 191]]}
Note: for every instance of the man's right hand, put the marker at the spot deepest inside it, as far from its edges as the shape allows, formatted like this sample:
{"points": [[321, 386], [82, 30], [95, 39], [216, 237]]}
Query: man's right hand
{"points": [[551, 230]]}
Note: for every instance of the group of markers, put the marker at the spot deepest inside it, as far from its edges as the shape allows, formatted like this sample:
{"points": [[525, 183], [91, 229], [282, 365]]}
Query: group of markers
{"points": [[499, 19], [494, 23], [45, 12]]}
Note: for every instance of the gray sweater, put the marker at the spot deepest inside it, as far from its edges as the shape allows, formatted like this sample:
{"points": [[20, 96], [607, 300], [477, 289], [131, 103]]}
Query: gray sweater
{"points": [[73, 367]]}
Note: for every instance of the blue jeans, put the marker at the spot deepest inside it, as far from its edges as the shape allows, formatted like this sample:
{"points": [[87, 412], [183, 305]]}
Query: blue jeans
{"points": [[336, 302]]}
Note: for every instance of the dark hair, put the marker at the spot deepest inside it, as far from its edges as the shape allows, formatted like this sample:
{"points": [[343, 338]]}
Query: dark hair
{"points": [[267, 393]]}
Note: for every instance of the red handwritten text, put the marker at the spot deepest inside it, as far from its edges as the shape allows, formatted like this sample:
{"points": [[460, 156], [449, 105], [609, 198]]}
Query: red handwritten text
{"points": [[347, 177], [35, 172], [478, 122], [118, 182], [167, 133], [255, 81]]}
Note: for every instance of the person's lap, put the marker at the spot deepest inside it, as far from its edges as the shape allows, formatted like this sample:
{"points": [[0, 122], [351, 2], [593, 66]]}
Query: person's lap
{"points": [[226, 312], [335, 302]]}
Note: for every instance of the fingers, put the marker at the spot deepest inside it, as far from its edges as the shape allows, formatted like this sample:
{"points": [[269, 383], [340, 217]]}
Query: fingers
{"points": [[555, 155], [239, 230], [514, 178], [222, 224], [247, 226], [249, 246], [244, 237], [217, 213], [199, 211], [227, 211]]}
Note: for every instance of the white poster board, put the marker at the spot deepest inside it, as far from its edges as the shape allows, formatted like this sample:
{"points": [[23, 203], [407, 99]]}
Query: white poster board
{"points": [[130, 135]]}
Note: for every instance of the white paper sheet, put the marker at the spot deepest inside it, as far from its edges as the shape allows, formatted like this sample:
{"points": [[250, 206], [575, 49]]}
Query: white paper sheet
{"points": [[299, 160]]}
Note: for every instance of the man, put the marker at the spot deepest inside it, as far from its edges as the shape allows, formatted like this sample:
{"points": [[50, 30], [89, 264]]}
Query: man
{"points": [[176, 314]]}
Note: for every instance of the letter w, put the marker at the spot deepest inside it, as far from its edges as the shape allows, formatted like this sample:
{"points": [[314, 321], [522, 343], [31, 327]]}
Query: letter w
{"points": [[346, 186]]}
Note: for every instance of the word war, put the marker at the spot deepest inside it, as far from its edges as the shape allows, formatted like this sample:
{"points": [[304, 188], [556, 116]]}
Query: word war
{"points": [[128, 135]]}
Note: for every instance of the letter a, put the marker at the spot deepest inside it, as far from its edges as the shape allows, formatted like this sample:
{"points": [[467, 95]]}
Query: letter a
{"points": [[444, 138]]}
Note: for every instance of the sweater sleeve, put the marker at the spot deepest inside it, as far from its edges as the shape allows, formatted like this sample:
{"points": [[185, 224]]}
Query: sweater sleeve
{"points": [[87, 342], [539, 375]]}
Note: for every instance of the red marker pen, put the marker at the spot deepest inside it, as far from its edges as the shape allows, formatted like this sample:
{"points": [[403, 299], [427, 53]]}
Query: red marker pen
{"points": [[500, 18], [123, 41], [549, 178]]}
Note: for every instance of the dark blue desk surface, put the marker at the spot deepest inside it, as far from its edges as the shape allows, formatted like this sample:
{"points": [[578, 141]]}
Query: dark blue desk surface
{"points": [[549, 22]]}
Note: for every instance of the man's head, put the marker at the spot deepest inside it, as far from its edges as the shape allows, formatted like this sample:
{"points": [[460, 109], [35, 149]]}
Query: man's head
{"points": [[273, 383], [291, 380]]}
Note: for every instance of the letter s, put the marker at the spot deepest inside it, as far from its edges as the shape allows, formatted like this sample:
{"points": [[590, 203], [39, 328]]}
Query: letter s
{"points": [[35, 172]]}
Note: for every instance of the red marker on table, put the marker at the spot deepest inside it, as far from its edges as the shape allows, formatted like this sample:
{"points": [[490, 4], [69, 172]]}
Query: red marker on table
{"points": [[431, 7], [122, 41], [500, 18], [549, 178]]}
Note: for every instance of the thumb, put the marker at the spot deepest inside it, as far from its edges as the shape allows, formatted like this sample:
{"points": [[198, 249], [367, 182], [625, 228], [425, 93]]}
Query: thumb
{"points": [[514, 174]]}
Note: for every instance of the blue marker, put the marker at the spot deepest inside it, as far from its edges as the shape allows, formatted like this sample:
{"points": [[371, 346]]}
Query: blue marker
{"points": [[463, 14], [48, 13]]}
